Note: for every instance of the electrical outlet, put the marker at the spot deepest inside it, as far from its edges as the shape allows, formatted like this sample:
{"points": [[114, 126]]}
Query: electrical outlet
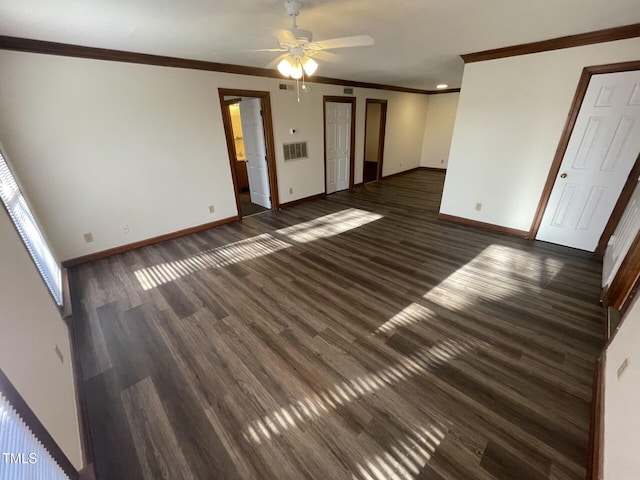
{"points": [[88, 237], [478, 206], [290, 190], [211, 209], [623, 366], [125, 228], [59, 354]]}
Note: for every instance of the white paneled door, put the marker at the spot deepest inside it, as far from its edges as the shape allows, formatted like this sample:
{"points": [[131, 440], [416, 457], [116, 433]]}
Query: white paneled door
{"points": [[601, 152], [338, 145], [255, 151]]}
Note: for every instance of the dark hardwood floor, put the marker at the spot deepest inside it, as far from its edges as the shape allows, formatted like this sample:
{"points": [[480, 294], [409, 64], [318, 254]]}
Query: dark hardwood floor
{"points": [[352, 337]]}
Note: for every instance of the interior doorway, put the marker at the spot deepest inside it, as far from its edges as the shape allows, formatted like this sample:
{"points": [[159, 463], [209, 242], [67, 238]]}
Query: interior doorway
{"points": [[339, 140], [374, 130], [249, 133], [600, 153]]}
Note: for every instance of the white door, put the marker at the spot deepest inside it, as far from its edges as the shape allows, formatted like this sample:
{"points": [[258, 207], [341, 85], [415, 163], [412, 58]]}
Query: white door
{"points": [[601, 152], [338, 145], [255, 151]]}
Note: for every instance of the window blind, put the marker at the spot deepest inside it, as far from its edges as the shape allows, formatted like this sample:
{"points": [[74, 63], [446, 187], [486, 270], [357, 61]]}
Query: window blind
{"points": [[28, 229], [22, 456]]}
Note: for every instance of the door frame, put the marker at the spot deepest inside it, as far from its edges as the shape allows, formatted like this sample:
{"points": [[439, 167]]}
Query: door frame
{"points": [[352, 140], [576, 105], [381, 133], [267, 125]]}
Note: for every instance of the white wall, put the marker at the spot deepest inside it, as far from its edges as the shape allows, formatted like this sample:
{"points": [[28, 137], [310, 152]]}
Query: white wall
{"points": [[438, 130], [98, 144], [30, 329], [621, 239], [621, 416], [510, 117]]}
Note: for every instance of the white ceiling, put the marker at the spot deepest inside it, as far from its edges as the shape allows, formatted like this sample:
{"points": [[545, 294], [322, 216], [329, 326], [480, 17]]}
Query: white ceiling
{"points": [[418, 42]]}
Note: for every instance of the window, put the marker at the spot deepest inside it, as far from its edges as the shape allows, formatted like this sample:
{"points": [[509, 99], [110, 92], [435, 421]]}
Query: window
{"points": [[28, 229], [22, 455]]}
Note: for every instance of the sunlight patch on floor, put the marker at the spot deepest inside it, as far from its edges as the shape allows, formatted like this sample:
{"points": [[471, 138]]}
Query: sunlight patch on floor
{"points": [[414, 313], [405, 459], [223, 256], [319, 404], [487, 276], [329, 225]]}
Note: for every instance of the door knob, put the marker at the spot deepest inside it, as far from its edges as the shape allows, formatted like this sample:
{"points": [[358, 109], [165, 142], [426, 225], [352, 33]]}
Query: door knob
{"points": [[563, 175]]}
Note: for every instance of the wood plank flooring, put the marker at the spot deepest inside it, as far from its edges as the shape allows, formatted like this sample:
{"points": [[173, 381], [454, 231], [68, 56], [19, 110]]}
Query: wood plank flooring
{"points": [[352, 337]]}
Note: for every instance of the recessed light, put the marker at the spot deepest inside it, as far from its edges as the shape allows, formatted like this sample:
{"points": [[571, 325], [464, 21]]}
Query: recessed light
{"points": [[442, 85]]}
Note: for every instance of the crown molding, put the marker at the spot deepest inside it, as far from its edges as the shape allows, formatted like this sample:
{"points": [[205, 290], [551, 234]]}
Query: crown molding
{"points": [[79, 51], [598, 36]]}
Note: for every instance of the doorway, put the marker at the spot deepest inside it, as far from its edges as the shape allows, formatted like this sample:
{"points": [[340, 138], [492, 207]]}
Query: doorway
{"points": [[339, 140], [599, 155], [249, 133], [374, 130]]}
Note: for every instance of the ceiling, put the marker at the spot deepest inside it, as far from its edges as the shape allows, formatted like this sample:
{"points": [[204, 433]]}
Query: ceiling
{"points": [[418, 42]]}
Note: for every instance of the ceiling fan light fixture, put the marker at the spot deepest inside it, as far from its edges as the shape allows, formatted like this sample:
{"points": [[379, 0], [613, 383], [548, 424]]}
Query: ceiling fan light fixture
{"points": [[309, 65], [285, 67], [296, 71]]}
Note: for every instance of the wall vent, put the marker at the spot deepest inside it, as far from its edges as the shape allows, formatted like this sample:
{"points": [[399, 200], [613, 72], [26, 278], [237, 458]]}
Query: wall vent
{"points": [[294, 151], [348, 91], [286, 86]]}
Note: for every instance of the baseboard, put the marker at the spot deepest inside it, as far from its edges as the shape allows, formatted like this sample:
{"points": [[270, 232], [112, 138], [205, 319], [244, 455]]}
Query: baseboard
{"points": [[596, 423], [92, 257], [482, 225], [293, 203], [397, 174], [433, 169], [88, 473], [358, 185]]}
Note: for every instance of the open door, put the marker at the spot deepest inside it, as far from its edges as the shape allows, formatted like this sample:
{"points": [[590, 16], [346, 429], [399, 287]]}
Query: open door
{"points": [[248, 126], [600, 154], [255, 151]]}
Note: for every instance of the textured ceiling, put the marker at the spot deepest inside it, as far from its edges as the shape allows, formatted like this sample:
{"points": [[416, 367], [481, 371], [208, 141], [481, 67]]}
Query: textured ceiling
{"points": [[418, 42]]}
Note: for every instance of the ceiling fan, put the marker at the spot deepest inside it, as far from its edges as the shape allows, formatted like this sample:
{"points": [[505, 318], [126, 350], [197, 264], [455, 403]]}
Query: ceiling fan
{"points": [[299, 48]]}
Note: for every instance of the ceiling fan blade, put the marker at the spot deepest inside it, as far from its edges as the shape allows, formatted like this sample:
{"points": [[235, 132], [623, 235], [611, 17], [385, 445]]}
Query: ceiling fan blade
{"points": [[325, 56], [345, 42], [269, 50], [274, 63], [285, 36]]}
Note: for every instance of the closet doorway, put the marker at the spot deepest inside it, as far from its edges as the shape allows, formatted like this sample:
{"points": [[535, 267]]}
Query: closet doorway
{"points": [[374, 129]]}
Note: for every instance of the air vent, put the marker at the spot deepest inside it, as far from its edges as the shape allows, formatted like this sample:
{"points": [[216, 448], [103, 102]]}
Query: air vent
{"points": [[286, 86], [348, 91], [294, 151]]}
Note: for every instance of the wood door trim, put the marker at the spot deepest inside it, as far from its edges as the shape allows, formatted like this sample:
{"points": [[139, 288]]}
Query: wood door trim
{"points": [[589, 38], [35, 425], [596, 422], [621, 205], [352, 140], [267, 124], [625, 283], [576, 104], [381, 132]]}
